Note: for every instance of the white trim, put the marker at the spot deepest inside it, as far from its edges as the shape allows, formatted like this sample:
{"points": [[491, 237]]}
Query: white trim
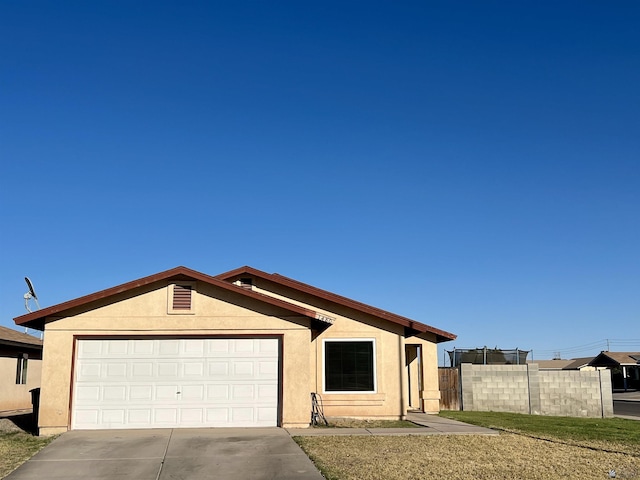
{"points": [[375, 370]]}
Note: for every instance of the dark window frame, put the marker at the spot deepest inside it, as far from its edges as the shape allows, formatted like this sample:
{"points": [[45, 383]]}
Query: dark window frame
{"points": [[22, 368]]}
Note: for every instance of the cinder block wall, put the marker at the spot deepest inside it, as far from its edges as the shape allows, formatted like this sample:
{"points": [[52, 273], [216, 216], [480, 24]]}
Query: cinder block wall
{"points": [[525, 389]]}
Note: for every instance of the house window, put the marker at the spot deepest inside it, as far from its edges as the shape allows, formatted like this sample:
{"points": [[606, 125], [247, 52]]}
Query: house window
{"points": [[181, 298], [21, 370], [349, 366]]}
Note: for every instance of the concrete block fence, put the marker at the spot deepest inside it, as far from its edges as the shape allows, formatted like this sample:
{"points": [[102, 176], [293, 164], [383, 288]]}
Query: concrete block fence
{"points": [[526, 389]]}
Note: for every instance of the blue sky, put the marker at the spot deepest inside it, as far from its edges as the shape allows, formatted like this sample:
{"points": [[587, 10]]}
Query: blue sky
{"points": [[471, 165]]}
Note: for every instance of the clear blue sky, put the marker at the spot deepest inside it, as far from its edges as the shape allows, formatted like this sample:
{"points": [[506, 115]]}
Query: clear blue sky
{"points": [[472, 165]]}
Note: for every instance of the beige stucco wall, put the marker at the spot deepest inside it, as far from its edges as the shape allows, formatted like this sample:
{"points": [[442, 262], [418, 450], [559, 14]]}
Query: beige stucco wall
{"points": [[216, 312], [12, 396], [391, 399], [146, 314]]}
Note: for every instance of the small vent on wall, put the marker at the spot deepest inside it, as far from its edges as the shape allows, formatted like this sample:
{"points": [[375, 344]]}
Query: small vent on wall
{"points": [[182, 297], [246, 283]]}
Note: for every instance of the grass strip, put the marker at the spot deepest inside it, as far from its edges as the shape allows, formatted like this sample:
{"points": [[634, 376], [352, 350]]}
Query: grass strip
{"points": [[604, 434], [16, 448]]}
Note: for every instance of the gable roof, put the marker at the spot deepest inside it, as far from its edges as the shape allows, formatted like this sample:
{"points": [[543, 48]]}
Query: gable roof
{"points": [[551, 364], [578, 363], [441, 335], [607, 359], [14, 338], [37, 319]]}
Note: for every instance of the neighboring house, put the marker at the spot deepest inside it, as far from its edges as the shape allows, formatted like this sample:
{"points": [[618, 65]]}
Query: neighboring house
{"points": [[20, 367], [244, 348], [581, 364], [625, 368], [555, 364], [573, 364]]}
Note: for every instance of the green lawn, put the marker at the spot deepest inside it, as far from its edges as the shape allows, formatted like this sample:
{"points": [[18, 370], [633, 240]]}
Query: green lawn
{"points": [[615, 430], [18, 447]]}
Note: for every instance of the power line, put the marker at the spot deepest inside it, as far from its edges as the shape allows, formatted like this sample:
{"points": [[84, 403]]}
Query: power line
{"points": [[601, 345]]}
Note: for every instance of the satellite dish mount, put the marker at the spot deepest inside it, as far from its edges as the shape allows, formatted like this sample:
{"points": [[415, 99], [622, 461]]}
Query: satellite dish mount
{"points": [[30, 295]]}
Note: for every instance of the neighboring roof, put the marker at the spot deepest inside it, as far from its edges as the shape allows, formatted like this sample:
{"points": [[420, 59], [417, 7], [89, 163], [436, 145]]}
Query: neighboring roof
{"points": [[441, 335], [11, 337], [607, 359], [37, 319], [578, 363], [551, 364]]}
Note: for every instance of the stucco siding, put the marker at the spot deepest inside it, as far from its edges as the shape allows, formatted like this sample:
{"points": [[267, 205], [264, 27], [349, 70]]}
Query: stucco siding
{"points": [[215, 311], [14, 396], [391, 398], [131, 318]]}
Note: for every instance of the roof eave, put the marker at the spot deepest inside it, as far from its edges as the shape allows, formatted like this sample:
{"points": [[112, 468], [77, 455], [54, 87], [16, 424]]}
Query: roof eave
{"points": [[11, 343], [441, 335], [38, 318]]}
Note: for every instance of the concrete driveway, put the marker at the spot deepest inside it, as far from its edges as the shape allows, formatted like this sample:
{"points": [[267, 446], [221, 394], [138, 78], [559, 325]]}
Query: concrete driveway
{"points": [[194, 454]]}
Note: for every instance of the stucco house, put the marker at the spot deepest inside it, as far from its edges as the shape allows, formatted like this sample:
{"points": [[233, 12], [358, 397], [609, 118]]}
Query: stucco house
{"points": [[572, 364], [625, 368], [244, 348], [20, 366]]}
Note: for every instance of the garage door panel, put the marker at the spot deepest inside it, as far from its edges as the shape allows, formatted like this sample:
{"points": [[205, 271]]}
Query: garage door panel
{"points": [[193, 369], [169, 348], [266, 415], [88, 417], [192, 392], [89, 392], [141, 370], [218, 369], [242, 369], [218, 392], [166, 392], [176, 382], [142, 347], [165, 416], [194, 346], [140, 392], [217, 416], [139, 417], [114, 416], [89, 371], [115, 393], [267, 369]]}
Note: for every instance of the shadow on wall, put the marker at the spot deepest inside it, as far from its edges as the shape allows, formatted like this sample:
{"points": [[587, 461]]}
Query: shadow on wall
{"points": [[20, 422]]}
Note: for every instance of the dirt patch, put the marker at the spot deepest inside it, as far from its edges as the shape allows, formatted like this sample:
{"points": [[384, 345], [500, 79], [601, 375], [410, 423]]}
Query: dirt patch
{"points": [[506, 456], [17, 423], [364, 423], [7, 426]]}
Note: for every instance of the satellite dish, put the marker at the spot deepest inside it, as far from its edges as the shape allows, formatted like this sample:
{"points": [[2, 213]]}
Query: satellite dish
{"points": [[31, 294]]}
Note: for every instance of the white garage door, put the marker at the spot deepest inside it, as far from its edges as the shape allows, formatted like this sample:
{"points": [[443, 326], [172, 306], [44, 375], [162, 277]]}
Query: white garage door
{"points": [[167, 383]]}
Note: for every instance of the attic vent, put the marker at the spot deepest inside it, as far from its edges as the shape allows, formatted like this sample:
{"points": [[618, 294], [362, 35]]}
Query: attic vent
{"points": [[246, 282], [182, 297]]}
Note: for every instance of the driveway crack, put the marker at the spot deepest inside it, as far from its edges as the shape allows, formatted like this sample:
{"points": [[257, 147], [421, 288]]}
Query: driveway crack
{"points": [[164, 455]]}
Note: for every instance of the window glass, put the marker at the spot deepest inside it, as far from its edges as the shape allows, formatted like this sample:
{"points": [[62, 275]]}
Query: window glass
{"points": [[349, 366], [21, 370]]}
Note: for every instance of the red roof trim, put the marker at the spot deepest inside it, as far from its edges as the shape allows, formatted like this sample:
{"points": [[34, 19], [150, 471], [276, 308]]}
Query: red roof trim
{"points": [[36, 319], [441, 335]]}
